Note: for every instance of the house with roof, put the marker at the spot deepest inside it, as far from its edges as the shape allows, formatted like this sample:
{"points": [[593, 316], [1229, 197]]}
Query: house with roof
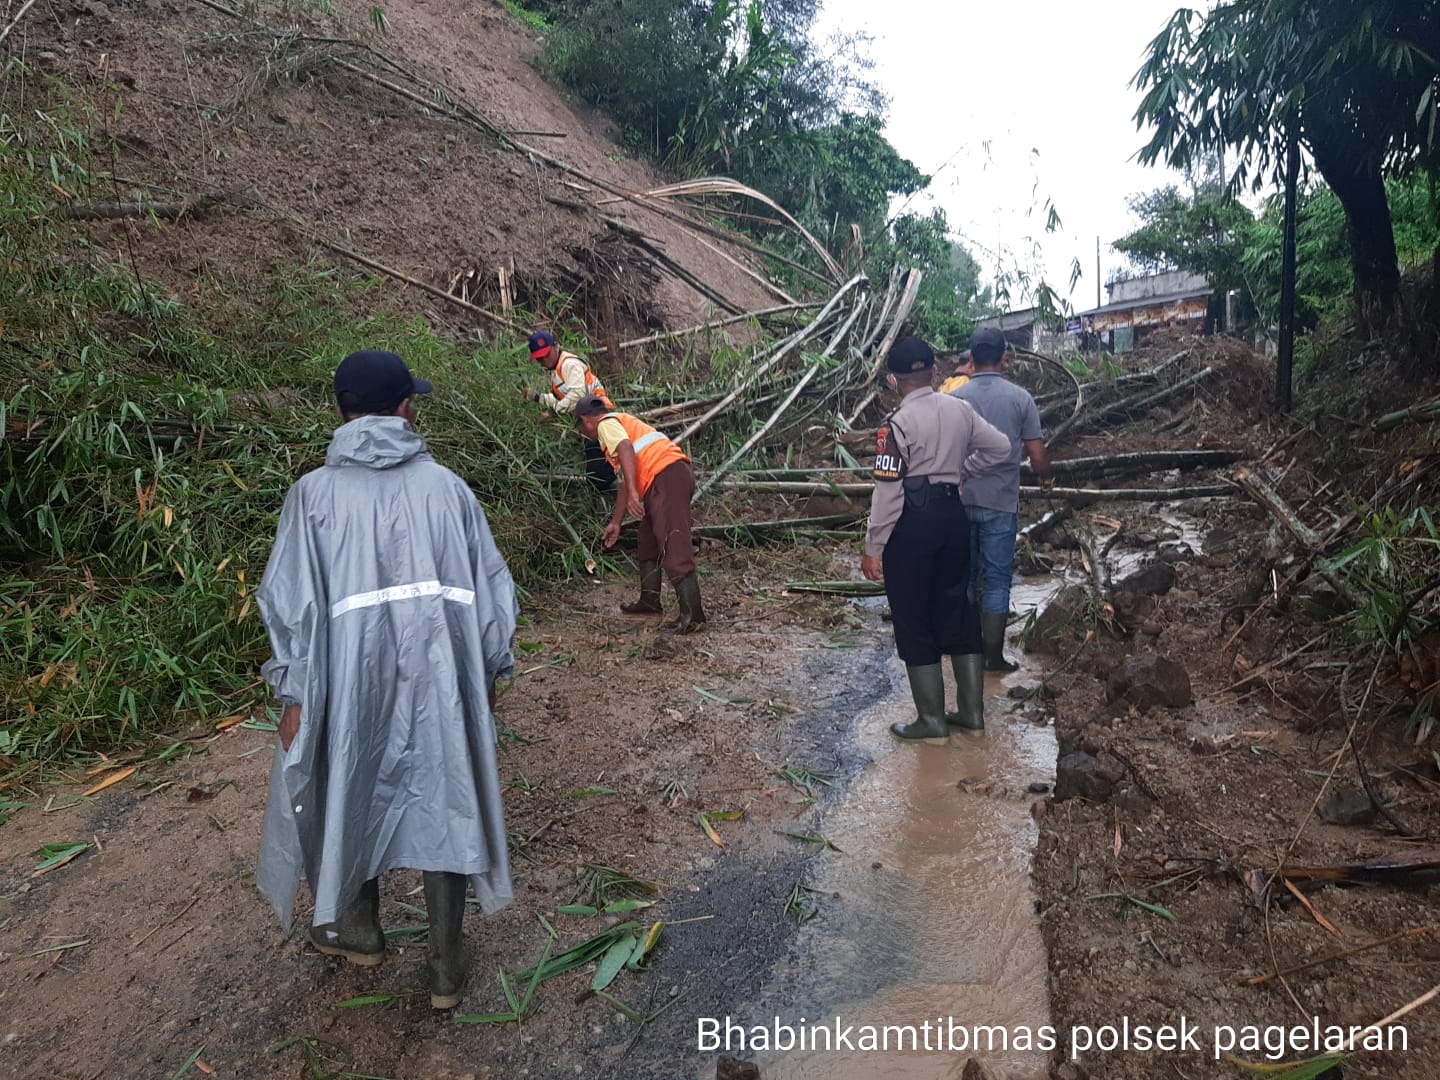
{"points": [[1144, 302]]}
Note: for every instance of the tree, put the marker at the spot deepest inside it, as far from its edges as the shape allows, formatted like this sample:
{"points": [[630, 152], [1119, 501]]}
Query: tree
{"points": [[1352, 82], [1206, 233], [951, 296]]}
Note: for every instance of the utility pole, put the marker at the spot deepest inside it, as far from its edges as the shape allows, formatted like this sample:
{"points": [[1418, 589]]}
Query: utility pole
{"points": [[1097, 271], [1285, 361]]}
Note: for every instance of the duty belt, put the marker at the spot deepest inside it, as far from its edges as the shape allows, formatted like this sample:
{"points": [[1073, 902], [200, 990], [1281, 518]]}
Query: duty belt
{"points": [[919, 492]]}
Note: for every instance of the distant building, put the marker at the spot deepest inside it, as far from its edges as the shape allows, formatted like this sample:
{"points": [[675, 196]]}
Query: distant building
{"points": [[1145, 302], [1028, 328]]}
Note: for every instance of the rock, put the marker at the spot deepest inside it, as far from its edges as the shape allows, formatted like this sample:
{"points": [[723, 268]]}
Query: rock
{"points": [[1086, 776], [1038, 788], [1157, 579], [1132, 609], [1148, 680], [1063, 623], [1348, 806], [728, 1068], [1032, 692], [1175, 553]]}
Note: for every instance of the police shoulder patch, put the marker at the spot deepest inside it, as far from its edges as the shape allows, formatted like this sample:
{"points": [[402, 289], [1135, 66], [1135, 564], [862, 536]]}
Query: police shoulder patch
{"points": [[889, 464]]}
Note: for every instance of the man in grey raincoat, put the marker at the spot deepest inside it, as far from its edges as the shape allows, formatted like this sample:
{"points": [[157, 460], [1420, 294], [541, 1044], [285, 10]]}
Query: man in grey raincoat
{"points": [[390, 613]]}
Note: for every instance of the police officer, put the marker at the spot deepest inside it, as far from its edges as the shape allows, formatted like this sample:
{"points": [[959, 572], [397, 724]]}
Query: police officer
{"points": [[919, 539]]}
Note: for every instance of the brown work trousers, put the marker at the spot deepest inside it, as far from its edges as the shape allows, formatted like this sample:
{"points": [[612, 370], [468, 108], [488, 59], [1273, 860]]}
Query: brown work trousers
{"points": [[665, 529]]}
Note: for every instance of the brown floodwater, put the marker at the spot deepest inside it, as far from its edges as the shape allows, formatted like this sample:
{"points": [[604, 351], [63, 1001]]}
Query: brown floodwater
{"points": [[926, 911]]}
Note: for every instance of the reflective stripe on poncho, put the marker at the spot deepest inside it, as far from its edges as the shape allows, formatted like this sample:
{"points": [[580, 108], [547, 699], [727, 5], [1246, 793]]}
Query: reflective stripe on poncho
{"points": [[390, 613]]}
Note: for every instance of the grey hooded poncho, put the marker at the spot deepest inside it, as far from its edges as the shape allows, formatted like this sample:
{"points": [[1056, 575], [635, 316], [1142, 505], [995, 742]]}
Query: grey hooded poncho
{"points": [[390, 613]]}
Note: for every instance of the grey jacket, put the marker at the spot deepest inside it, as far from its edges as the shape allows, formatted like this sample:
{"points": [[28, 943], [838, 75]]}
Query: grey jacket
{"points": [[390, 613]]}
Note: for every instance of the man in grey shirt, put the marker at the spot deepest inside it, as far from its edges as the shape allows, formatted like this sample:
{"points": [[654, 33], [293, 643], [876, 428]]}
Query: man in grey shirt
{"points": [[992, 501]]}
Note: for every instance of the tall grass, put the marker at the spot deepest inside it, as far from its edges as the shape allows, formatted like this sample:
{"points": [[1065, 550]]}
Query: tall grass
{"points": [[148, 446]]}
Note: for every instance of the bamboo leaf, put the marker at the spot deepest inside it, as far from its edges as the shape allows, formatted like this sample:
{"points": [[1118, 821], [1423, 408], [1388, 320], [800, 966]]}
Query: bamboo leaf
{"points": [[1309, 1069], [189, 1063], [57, 855], [620, 907], [613, 960], [577, 909]]}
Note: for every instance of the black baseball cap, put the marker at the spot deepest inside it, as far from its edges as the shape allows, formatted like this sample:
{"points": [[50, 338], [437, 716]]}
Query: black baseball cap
{"points": [[908, 355], [373, 381], [987, 345], [592, 405]]}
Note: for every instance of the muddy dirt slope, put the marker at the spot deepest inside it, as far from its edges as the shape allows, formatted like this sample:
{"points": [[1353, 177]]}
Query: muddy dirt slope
{"points": [[286, 115]]}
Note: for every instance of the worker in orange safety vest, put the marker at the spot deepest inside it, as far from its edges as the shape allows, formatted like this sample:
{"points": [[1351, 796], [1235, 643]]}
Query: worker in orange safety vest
{"points": [[656, 486], [570, 380]]}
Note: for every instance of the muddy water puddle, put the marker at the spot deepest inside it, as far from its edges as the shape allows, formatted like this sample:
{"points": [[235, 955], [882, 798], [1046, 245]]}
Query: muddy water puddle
{"points": [[926, 912]]}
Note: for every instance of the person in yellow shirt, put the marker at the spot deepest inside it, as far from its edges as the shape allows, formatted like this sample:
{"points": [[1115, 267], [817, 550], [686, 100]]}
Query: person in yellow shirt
{"points": [[963, 372], [656, 485], [570, 380]]}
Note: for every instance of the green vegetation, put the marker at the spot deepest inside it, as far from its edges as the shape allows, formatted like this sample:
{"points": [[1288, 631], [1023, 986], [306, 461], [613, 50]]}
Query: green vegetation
{"points": [[149, 442], [1356, 88], [534, 21], [741, 89]]}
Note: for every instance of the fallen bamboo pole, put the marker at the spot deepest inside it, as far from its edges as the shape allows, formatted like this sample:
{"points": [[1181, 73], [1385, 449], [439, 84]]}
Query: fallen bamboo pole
{"points": [[1272, 501], [1078, 496], [1136, 404], [1428, 410], [1144, 461], [902, 309], [1053, 516], [838, 588], [16, 20], [770, 423], [779, 526], [389, 271], [669, 335], [164, 211], [780, 352]]}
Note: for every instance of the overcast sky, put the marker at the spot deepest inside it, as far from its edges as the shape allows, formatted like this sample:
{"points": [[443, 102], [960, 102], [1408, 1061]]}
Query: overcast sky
{"points": [[1035, 98]]}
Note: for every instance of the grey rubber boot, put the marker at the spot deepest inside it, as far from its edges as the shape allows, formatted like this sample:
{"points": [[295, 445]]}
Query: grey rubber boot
{"points": [[927, 687], [969, 692], [649, 602], [448, 964], [356, 936], [692, 613], [992, 635]]}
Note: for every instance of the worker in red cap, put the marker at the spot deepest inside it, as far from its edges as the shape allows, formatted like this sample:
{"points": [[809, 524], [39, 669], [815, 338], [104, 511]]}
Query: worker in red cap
{"points": [[570, 380], [656, 486]]}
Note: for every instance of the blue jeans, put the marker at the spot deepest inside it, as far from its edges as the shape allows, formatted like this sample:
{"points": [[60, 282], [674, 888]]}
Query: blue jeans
{"points": [[992, 556]]}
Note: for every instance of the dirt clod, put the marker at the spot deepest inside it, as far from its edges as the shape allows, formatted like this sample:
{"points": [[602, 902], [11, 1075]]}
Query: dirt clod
{"points": [[1080, 775], [1148, 680], [728, 1068], [1156, 579], [1348, 806]]}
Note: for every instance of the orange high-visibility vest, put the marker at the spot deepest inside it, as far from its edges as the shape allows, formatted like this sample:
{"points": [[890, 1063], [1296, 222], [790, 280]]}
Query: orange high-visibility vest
{"points": [[592, 384], [654, 452]]}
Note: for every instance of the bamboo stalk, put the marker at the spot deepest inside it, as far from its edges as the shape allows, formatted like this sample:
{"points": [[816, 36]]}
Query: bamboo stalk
{"points": [[1272, 501], [1053, 516], [838, 588], [1428, 410], [390, 271], [1136, 404], [780, 352], [1144, 461], [778, 526], [716, 324], [26, 6], [1077, 496], [902, 309], [770, 423]]}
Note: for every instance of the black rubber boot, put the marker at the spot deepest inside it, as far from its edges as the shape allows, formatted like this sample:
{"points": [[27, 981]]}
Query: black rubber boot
{"points": [[448, 964], [927, 687], [356, 935], [992, 634], [692, 612], [649, 602], [969, 692]]}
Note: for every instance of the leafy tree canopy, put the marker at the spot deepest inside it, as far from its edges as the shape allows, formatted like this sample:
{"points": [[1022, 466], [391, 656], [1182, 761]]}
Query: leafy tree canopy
{"points": [[1353, 82]]}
